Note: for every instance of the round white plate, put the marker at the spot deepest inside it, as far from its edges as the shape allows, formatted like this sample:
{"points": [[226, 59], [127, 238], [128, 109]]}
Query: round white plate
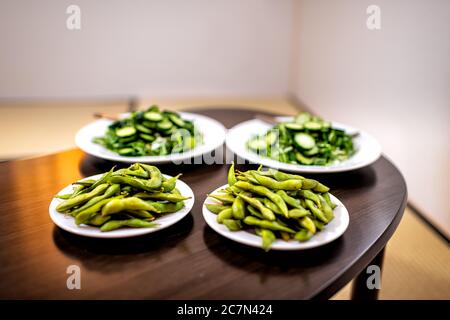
{"points": [[332, 231], [67, 222], [368, 149], [213, 137]]}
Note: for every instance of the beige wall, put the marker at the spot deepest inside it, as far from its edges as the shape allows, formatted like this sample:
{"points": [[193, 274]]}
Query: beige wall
{"points": [[394, 82], [145, 47]]}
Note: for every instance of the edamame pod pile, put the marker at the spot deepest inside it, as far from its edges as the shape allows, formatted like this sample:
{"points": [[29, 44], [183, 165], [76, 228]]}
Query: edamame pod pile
{"points": [[150, 133], [133, 197], [273, 204], [307, 140]]}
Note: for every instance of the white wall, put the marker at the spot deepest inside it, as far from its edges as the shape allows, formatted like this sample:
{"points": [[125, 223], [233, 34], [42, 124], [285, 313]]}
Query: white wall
{"points": [[164, 48], [394, 82]]}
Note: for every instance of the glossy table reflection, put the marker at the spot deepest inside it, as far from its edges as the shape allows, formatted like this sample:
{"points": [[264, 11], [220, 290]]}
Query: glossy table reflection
{"points": [[188, 260]]}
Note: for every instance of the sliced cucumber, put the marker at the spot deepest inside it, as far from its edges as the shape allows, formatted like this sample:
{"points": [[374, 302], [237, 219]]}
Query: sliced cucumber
{"points": [[125, 151], [143, 129], [313, 126], [293, 126], [271, 137], [302, 159], [304, 140], [164, 125], [311, 152], [149, 124], [177, 120], [153, 116], [257, 144], [147, 137], [125, 132], [302, 118]]}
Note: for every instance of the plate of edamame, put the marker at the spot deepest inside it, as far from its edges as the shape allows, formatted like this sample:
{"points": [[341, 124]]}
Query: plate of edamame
{"points": [[275, 210], [122, 203], [151, 136], [303, 143]]}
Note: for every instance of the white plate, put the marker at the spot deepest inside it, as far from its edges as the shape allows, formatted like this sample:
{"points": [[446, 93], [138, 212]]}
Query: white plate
{"points": [[368, 149], [213, 137], [67, 222], [332, 231]]}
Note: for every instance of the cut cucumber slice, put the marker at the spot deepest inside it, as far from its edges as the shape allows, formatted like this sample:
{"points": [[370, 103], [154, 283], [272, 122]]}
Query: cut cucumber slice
{"points": [[153, 116], [302, 118], [313, 126], [257, 144], [143, 129], [293, 126], [147, 137], [164, 125], [125, 132], [177, 120], [311, 152], [302, 159], [125, 151], [271, 137], [304, 140]]}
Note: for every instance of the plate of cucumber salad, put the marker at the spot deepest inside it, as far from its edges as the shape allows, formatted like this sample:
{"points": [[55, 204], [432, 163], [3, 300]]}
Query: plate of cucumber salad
{"points": [[304, 143], [275, 210], [122, 203], [151, 136]]}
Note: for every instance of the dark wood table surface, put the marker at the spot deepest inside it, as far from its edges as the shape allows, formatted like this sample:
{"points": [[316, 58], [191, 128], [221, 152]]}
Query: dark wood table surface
{"points": [[188, 260]]}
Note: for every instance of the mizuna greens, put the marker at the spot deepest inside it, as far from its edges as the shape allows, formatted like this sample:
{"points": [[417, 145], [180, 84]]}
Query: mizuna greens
{"points": [[307, 140], [150, 133]]}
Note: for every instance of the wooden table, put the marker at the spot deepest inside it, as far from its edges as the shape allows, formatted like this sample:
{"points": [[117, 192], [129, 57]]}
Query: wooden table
{"points": [[188, 260]]}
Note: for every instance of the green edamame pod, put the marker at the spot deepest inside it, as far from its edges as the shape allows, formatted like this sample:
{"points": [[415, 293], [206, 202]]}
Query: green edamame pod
{"points": [[171, 197], [285, 236], [231, 175], [266, 212], [308, 224], [167, 207], [309, 184], [232, 225], [125, 204], [298, 213], [81, 198], [224, 197], [155, 176], [238, 209], [326, 196], [261, 190], [133, 182], [169, 184], [141, 214], [316, 211], [272, 206], [319, 225], [86, 182], [307, 194], [289, 200], [224, 214], [254, 212], [268, 237], [86, 215], [63, 196], [321, 188], [326, 209], [281, 176], [292, 184], [303, 235], [110, 192], [272, 225], [133, 223], [98, 220], [100, 181], [216, 208]]}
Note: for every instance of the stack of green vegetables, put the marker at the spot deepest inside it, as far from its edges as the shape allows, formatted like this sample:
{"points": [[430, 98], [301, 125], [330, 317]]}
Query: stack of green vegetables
{"points": [[274, 204], [131, 197], [307, 140], [150, 133]]}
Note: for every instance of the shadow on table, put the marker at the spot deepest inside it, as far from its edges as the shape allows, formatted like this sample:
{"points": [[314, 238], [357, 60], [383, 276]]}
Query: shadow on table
{"points": [[111, 255], [273, 262]]}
